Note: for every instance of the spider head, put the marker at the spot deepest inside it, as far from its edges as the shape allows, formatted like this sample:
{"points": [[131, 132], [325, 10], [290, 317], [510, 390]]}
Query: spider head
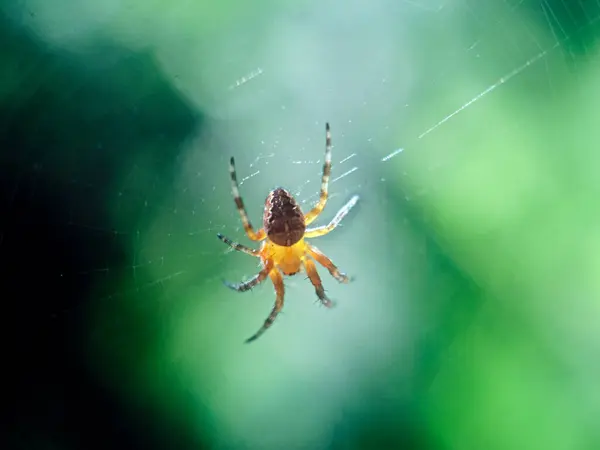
{"points": [[283, 219]]}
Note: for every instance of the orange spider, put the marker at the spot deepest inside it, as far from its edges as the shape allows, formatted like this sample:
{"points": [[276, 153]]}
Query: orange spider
{"points": [[285, 250]]}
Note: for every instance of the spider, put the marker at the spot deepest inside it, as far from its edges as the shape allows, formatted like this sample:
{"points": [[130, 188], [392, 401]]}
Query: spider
{"points": [[284, 250]]}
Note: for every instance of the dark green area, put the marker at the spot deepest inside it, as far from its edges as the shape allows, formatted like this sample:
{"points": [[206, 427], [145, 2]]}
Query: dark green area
{"points": [[120, 334]]}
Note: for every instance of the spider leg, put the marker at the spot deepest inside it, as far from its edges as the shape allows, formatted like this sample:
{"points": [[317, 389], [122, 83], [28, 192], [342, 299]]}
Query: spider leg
{"points": [[313, 213], [235, 190], [315, 279], [238, 247], [254, 281], [327, 263], [277, 280], [321, 231]]}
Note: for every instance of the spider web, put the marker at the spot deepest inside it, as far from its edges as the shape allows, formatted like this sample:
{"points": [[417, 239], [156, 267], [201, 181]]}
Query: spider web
{"points": [[516, 39], [390, 92]]}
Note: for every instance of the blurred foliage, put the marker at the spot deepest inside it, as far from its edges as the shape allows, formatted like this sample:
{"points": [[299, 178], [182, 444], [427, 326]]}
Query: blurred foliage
{"points": [[472, 321]]}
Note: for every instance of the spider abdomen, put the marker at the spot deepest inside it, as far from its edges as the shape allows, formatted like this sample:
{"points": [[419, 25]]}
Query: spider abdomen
{"points": [[283, 219]]}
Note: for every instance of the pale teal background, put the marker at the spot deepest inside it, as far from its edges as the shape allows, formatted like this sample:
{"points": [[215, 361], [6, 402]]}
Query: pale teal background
{"points": [[470, 131]]}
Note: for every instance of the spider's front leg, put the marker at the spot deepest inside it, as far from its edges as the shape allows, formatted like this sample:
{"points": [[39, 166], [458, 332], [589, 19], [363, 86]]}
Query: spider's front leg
{"points": [[277, 280], [327, 263], [255, 280], [315, 279]]}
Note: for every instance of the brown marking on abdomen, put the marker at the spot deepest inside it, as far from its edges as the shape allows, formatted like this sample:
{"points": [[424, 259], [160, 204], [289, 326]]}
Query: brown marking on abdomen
{"points": [[283, 219]]}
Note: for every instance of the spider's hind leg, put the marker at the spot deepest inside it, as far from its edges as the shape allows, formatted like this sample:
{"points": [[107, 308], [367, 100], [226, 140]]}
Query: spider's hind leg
{"points": [[239, 203], [314, 213], [323, 230], [238, 247]]}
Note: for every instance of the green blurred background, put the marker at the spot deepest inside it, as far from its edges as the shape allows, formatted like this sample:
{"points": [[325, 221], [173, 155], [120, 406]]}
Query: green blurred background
{"points": [[469, 130]]}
